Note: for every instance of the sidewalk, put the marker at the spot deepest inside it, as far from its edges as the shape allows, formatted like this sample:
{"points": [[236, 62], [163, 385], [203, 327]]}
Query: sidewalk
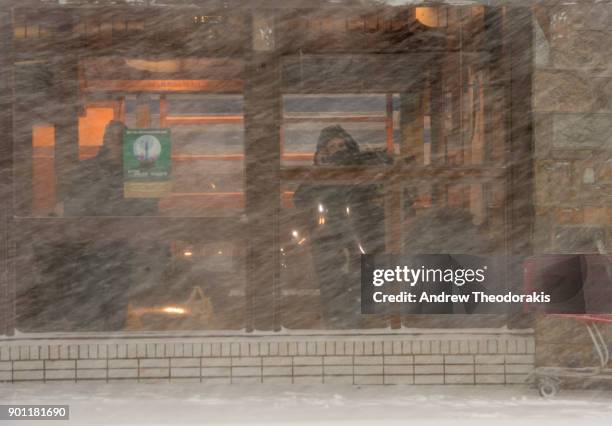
{"points": [[193, 403]]}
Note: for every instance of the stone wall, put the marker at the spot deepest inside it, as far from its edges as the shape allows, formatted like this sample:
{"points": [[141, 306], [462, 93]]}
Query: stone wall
{"points": [[573, 126], [573, 145]]}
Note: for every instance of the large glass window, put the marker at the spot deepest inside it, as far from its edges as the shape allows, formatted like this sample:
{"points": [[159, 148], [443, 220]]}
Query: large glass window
{"points": [[412, 169], [234, 170], [163, 252]]}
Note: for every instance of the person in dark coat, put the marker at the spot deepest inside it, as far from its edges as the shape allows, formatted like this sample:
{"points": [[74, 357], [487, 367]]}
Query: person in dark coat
{"points": [[95, 186], [94, 278], [345, 221]]}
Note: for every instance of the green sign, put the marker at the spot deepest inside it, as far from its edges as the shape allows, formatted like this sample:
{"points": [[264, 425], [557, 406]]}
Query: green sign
{"points": [[147, 164]]}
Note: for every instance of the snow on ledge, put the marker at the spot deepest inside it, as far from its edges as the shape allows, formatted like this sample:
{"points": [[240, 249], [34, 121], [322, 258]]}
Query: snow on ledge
{"points": [[284, 334]]}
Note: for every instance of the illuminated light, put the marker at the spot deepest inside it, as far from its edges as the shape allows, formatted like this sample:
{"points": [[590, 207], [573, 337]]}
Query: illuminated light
{"points": [[19, 31], [219, 252], [167, 65], [213, 186], [302, 241], [348, 210], [187, 253], [321, 220], [321, 208], [91, 129], [433, 17], [361, 249], [174, 310], [295, 233], [282, 250]]}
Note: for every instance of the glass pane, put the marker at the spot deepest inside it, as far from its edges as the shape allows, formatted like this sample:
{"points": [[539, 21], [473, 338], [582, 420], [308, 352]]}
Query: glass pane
{"points": [[368, 120], [324, 230], [82, 161], [164, 251], [118, 284]]}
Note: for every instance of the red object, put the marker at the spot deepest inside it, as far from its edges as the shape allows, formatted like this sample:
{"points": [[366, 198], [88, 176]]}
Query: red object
{"points": [[589, 318]]}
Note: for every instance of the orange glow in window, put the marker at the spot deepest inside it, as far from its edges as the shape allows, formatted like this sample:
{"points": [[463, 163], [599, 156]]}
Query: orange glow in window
{"points": [[43, 169], [91, 130]]}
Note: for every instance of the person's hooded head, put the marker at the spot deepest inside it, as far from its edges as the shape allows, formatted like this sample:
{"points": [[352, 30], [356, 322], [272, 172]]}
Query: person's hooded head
{"points": [[112, 146], [336, 146]]}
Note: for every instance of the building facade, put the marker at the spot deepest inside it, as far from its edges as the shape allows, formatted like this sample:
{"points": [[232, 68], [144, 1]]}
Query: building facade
{"points": [[497, 112]]}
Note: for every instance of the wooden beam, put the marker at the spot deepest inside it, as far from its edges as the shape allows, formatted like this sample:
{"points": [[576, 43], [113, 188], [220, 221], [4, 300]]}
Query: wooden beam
{"points": [[455, 83], [364, 174], [134, 229], [163, 111], [520, 150], [393, 228], [394, 73], [496, 88], [163, 86], [412, 126], [262, 115], [412, 148], [341, 118], [389, 122], [143, 111], [66, 120], [438, 140], [7, 240]]}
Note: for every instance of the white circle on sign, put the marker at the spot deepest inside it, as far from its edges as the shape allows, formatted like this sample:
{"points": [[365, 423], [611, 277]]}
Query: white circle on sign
{"points": [[147, 148]]}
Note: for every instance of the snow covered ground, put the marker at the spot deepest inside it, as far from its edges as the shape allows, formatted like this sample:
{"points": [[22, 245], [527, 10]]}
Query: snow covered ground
{"points": [[194, 403]]}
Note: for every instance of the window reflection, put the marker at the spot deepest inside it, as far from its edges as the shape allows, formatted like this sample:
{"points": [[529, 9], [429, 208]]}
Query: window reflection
{"points": [[120, 285], [371, 120], [359, 136], [334, 225], [116, 262], [95, 187], [65, 142]]}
